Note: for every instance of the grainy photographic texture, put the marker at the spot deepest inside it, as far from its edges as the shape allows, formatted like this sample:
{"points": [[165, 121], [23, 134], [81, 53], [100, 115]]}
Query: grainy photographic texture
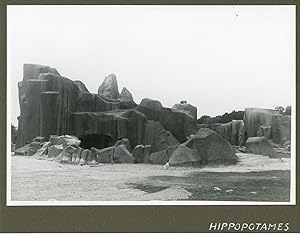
{"points": [[151, 104]]}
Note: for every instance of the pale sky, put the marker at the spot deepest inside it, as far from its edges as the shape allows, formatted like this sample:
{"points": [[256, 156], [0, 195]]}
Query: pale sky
{"points": [[218, 58]]}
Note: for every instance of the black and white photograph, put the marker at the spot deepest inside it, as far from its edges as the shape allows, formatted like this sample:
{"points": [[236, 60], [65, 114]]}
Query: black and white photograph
{"points": [[151, 105]]}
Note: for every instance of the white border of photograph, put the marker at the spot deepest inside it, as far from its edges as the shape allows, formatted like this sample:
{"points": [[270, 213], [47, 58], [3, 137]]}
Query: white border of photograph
{"points": [[10, 202]]}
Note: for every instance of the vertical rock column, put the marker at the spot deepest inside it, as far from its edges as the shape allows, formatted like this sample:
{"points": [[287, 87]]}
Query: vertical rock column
{"points": [[29, 121], [49, 113]]}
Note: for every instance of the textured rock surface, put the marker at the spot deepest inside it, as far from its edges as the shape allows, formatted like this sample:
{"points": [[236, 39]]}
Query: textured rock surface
{"points": [[138, 153], [109, 87], [108, 127], [81, 86], [55, 105], [54, 150], [186, 108], [260, 145], [104, 155], [254, 118], [265, 131], [179, 124], [126, 95], [232, 131], [42, 152], [23, 150], [157, 137], [160, 157], [206, 147], [48, 100], [184, 156], [122, 155], [124, 141]]}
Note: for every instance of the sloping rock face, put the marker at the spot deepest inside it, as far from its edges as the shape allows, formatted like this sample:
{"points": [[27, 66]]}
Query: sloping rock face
{"points": [[104, 155], [122, 155], [186, 108], [124, 141], [206, 147], [81, 86], [255, 119], [109, 87], [158, 137], [126, 95], [162, 157], [180, 124], [233, 131], [260, 145], [141, 153]]}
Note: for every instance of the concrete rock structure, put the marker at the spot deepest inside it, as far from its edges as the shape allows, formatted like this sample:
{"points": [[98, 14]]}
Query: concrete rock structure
{"points": [[78, 127], [269, 123], [51, 104]]}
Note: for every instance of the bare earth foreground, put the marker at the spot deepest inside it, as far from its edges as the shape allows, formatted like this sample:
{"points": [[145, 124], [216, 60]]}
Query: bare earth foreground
{"points": [[254, 178]]}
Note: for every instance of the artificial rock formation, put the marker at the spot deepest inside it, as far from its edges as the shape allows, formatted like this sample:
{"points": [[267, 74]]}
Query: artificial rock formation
{"points": [[233, 131], [261, 146], [186, 108], [52, 105], [268, 123], [126, 96], [109, 87], [205, 147]]}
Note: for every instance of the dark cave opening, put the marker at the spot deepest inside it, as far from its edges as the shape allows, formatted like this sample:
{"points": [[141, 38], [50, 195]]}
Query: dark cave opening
{"points": [[98, 141]]}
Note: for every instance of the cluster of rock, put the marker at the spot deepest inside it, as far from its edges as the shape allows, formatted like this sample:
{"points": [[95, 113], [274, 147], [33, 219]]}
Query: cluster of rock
{"points": [[80, 127], [203, 148], [262, 131]]}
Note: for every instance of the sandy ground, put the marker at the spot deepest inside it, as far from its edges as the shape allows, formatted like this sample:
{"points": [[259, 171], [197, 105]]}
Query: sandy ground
{"points": [[254, 177]]}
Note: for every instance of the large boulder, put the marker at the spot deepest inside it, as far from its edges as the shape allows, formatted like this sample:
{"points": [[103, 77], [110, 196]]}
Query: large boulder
{"points": [[141, 153], [260, 145], [184, 156], [109, 87], [151, 108], [138, 153], [122, 155], [186, 108], [104, 155], [162, 157], [70, 141], [205, 147]]}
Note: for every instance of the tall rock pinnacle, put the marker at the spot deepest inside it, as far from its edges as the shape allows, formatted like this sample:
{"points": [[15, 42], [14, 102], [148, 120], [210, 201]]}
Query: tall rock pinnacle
{"points": [[109, 87]]}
